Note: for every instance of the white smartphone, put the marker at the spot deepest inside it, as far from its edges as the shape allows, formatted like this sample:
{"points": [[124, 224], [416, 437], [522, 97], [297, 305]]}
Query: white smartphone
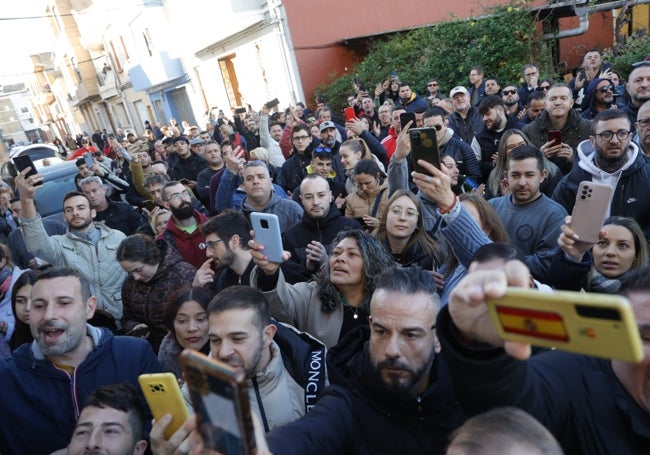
{"points": [[267, 234], [590, 210]]}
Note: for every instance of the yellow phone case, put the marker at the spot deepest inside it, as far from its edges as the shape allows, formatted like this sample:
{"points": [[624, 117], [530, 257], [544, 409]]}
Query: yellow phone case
{"points": [[164, 396], [600, 325]]}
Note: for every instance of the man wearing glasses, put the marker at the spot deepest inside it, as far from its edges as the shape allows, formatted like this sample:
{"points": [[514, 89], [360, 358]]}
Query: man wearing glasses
{"points": [[598, 97], [433, 87], [294, 169], [638, 89], [617, 162], [510, 99], [643, 129], [531, 75], [182, 231]]}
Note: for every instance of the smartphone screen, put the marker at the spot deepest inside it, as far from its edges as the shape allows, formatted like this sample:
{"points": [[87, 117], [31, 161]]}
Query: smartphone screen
{"points": [[22, 162], [424, 146], [406, 117], [555, 136], [221, 404], [88, 158], [349, 114]]}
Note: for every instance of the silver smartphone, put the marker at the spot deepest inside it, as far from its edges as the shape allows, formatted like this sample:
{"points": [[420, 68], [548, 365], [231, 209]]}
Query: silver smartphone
{"points": [[267, 234]]}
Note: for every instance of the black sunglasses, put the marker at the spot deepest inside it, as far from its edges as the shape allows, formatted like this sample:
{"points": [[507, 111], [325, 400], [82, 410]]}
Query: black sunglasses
{"points": [[509, 92], [609, 88]]}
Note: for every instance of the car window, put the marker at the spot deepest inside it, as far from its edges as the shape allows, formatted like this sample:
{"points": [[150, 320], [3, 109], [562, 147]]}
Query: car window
{"points": [[49, 199]]}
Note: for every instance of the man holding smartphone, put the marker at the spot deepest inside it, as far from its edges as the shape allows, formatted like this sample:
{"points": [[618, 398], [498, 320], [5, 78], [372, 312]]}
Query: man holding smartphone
{"points": [[612, 158], [558, 115], [591, 405]]}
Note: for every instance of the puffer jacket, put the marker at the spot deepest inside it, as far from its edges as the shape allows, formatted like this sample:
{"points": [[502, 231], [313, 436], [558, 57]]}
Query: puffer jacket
{"points": [[97, 264], [360, 203], [143, 302]]}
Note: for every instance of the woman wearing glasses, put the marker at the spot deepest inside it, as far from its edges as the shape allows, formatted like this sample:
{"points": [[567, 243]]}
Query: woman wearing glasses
{"points": [[155, 271], [401, 231]]}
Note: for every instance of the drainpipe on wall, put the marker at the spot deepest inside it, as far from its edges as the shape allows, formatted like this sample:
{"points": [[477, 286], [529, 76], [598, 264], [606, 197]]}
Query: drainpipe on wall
{"points": [[583, 12]]}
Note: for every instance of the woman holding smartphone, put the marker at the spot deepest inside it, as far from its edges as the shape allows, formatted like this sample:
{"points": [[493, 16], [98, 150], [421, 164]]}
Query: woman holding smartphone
{"points": [[338, 299], [599, 267], [369, 201]]}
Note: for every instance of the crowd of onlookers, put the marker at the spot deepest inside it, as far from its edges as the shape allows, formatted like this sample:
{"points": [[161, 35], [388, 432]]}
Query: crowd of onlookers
{"points": [[371, 336]]}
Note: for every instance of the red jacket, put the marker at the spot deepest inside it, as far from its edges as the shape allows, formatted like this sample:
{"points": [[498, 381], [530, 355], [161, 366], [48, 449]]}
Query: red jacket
{"points": [[390, 143], [190, 246]]}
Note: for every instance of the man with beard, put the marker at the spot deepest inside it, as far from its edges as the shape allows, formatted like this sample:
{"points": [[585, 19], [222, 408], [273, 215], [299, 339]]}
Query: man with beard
{"points": [[638, 89], [510, 99], [389, 391], [182, 231], [611, 158], [185, 164], [599, 96], [285, 370], [410, 99], [307, 240], [44, 382], [486, 141], [226, 245], [115, 215], [531, 219], [465, 120], [86, 246], [642, 130], [215, 164], [294, 168], [111, 422], [270, 135]]}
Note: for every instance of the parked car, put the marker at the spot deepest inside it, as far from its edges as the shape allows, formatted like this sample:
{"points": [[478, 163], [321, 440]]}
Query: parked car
{"points": [[42, 155], [59, 180]]}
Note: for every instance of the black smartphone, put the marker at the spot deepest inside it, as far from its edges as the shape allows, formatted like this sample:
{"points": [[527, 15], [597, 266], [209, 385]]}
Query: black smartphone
{"points": [[406, 117], [220, 401], [184, 181], [271, 104], [424, 146], [22, 162], [555, 136], [240, 110], [149, 205]]}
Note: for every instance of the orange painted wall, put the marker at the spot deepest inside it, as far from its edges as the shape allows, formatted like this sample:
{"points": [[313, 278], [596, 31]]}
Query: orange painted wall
{"points": [[318, 29], [600, 35]]}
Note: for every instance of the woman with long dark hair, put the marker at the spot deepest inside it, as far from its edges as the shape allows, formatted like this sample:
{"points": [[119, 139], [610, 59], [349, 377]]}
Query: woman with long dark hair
{"points": [[186, 317], [155, 270], [338, 299], [401, 231], [20, 295]]}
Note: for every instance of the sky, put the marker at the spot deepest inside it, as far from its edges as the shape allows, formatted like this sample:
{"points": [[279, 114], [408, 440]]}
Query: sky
{"points": [[20, 37]]}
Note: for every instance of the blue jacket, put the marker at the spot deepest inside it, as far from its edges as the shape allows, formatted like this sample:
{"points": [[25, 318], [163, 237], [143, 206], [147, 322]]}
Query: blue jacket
{"points": [[41, 403]]}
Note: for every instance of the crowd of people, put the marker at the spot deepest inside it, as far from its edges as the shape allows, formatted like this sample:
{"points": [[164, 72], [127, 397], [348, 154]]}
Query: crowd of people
{"points": [[384, 276]]}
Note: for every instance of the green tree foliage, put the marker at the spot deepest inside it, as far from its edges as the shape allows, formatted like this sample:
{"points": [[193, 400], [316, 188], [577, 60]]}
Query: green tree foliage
{"points": [[502, 40], [635, 49]]}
